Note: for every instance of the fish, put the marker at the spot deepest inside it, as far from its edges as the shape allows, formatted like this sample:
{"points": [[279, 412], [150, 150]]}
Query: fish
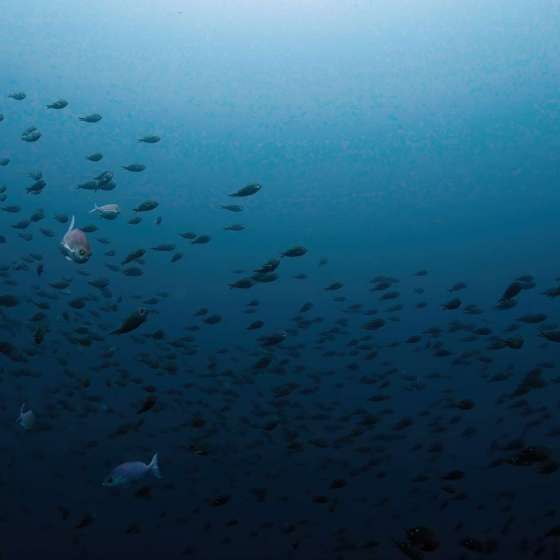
{"points": [[164, 247], [146, 206], [134, 167], [31, 134], [134, 256], [201, 240], [247, 190], [58, 104], [26, 418], [107, 211], [296, 251], [149, 139], [132, 322], [511, 291], [91, 118], [95, 157], [132, 472], [37, 187], [75, 245]]}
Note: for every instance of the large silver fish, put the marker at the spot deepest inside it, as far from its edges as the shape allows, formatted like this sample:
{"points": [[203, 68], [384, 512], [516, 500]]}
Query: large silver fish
{"points": [[134, 471], [75, 245]]}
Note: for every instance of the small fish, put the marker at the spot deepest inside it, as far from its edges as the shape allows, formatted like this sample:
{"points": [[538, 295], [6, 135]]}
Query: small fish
{"points": [[150, 139], [95, 157], [248, 190], [39, 334], [297, 251], [134, 167], [201, 240], [92, 118], [75, 245], [146, 206], [164, 247], [132, 322], [267, 267], [133, 256], [148, 404], [232, 207], [107, 211], [134, 471], [58, 104], [31, 134], [37, 187], [26, 418]]}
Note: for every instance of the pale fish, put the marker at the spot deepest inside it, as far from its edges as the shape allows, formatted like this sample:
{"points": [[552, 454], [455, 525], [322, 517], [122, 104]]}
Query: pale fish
{"points": [[109, 211], [26, 418], [75, 245], [134, 471]]}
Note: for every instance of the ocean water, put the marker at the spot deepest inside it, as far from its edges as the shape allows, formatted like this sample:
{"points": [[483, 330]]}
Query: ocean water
{"points": [[391, 390]]}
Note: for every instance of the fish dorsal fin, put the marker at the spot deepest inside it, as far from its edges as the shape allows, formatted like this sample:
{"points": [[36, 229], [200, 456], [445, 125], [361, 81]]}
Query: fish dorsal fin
{"points": [[71, 226]]}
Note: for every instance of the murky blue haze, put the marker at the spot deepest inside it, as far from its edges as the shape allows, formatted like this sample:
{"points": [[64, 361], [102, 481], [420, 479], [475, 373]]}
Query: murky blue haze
{"points": [[407, 146]]}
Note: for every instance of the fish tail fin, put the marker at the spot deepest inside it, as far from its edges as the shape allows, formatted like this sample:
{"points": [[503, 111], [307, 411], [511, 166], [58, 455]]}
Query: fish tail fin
{"points": [[95, 207], [154, 466]]}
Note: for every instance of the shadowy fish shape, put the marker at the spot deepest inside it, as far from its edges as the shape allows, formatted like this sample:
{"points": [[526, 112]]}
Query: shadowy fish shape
{"points": [[92, 118], [132, 322], [248, 190]]}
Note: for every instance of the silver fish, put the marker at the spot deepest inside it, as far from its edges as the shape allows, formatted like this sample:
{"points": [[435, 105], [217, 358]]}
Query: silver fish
{"points": [[133, 472], [107, 210]]}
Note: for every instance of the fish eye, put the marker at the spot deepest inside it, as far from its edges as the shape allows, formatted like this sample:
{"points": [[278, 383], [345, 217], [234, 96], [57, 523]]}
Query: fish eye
{"points": [[141, 311], [82, 252]]}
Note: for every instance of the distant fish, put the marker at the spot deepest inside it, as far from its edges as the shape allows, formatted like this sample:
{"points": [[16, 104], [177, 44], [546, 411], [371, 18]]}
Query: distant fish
{"points": [[146, 206], [150, 139], [58, 104], [30, 134], [248, 190], [92, 118], [95, 157], [107, 211], [134, 167], [232, 207], [26, 418], [132, 322]]}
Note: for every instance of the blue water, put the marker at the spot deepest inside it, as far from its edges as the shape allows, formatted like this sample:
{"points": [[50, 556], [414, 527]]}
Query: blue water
{"points": [[389, 138]]}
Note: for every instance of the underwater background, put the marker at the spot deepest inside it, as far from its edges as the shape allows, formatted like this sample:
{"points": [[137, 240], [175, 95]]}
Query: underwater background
{"points": [[326, 300]]}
